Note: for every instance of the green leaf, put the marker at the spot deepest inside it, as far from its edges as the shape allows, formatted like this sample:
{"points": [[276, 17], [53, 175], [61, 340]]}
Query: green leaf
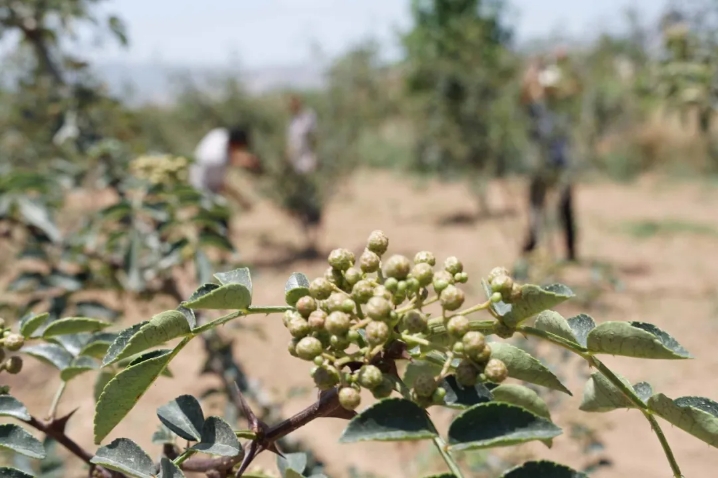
{"points": [[169, 470], [218, 438], [78, 366], [6, 472], [160, 329], [419, 367], [581, 325], [31, 322], [183, 416], [600, 395], [98, 345], [535, 299], [91, 308], [121, 341], [391, 419], [163, 436], [523, 366], [203, 266], [121, 393], [464, 397], [37, 215], [189, 315], [73, 325], [296, 462], [51, 354], [554, 323], [73, 343], [15, 438], [229, 296], [125, 456], [240, 276], [212, 239], [695, 415], [296, 287], [643, 390], [522, 397], [11, 407], [116, 212], [135, 281], [102, 379], [494, 424], [542, 469], [635, 339]]}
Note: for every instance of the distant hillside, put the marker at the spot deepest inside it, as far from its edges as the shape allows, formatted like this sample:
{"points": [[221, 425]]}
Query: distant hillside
{"points": [[151, 83]]}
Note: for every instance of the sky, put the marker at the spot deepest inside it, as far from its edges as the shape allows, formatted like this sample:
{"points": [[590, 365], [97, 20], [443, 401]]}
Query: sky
{"points": [[269, 33]]}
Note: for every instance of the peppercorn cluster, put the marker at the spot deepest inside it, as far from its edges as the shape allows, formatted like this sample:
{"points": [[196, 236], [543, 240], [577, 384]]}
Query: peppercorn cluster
{"points": [[10, 342], [360, 306], [158, 168]]}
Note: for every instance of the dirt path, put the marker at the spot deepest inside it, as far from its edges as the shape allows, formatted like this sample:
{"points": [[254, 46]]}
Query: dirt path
{"points": [[670, 278]]}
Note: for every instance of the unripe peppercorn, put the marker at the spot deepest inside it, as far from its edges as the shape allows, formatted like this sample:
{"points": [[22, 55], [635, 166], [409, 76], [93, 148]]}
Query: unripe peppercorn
{"points": [[496, 272], [415, 322], [335, 302], [400, 287], [391, 284], [381, 291], [496, 297], [378, 243], [453, 265], [483, 357], [425, 385], [362, 291], [352, 276], [306, 305], [353, 336], [349, 398], [369, 262], [14, 342], [474, 343], [397, 267], [13, 365], [451, 298], [466, 374], [423, 273], [292, 347], [298, 328], [339, 342], [440, 285], [461, 277], [496, 371], [378, 308], [384, 389], [289, 316], [348, 306], [377, 332], [425, 257], [457, 326], [325, 377], [334, 276], [502, 284], [337, 323], [412, 286], [370, 377], [341, 259], [309, 348], [316, 320], [320, 288], [443, 275], [458, 348], [439, 395]]}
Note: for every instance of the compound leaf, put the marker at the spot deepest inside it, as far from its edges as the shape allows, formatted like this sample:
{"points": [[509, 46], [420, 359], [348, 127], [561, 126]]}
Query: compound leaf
{"points": [[31, 322], [78, 366], [297, 286], [218, 438], [522, 397], [125, 456], [12, 407], [73, 325], [183, 416], [98, 345], [17, 439], [695, 415], [600, 395], [635, 339], [51, 354], [534, 299], [120, 343], [228, 296], [553, 322], [391, 419], [523, 366], [581, 326]]}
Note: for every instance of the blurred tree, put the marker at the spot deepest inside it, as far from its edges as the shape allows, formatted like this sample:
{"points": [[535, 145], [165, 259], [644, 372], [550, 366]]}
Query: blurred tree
{"points": [[459, 71]]}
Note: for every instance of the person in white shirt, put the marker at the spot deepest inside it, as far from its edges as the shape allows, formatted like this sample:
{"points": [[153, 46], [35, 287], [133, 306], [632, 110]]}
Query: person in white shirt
{"points": [[215, 153]]}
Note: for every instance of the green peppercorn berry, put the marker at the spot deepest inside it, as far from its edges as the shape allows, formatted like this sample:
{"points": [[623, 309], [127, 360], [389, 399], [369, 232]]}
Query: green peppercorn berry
{"points": [[393, 319], [453, 265], [425, 257], [369, 262], [423, 273], [335, 302], [341, 259], [320, 288], [496, 371], [378, 243], [292, 347], [440, 285], [339, 342], [461, 277], [496, 297], [348, 306], [457, 326], [334, 276], [350, 377], [412, 286], [458, 348], [13, 365], [325, 377], [483, 357], [308, 348], [349, 398], [370, 377], [401, 287], [444, 276], [306, 305], [319, 360], [466, 374], [398, 267], [377, 333], [502, 284], [289, 316], [451, 298], [425, 385], [299, 328], [497, 272], [385, 389], [381, 291], [352, 276], [353, 336], [423, 402], [324, 337], [415, 322], [362, 292], [474, 343], [391, 284], [378, 308], [439, 395], [337, 323], [316, 320]]}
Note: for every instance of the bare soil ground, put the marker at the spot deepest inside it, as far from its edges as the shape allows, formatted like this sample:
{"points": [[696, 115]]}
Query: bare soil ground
{"points": [[669, 276]]}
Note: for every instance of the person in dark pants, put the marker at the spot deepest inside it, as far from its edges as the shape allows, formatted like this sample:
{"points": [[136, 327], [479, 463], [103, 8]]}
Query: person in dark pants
{"points": [[548, 91]]}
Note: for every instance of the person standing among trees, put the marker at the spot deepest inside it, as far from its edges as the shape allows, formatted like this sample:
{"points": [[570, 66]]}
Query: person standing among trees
{"points": [[549, 93], [302, 199]]}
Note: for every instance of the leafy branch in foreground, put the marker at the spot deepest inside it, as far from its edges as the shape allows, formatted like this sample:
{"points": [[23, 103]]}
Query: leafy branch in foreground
{"points": [[354, 326]]}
